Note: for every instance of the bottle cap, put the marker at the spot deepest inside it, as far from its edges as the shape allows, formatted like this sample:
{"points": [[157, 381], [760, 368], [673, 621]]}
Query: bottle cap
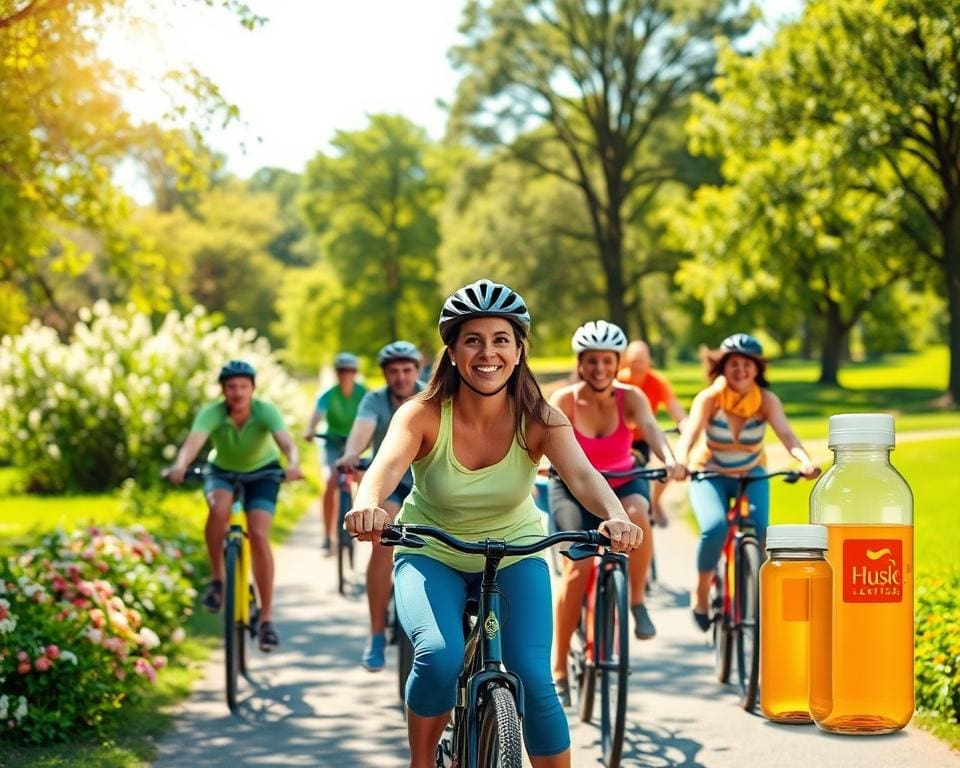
{"points": [[797, 537], [861, 429]]}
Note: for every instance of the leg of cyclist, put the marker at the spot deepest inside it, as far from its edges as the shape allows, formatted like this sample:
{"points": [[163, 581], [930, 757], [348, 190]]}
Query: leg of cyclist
{"points": [[638, 509], [430, 600], [219, 501], [526, 652], [379, 581], [568, 515], [328, 511], [656, 493], [261, 503], [709, 500], [758, 493]]}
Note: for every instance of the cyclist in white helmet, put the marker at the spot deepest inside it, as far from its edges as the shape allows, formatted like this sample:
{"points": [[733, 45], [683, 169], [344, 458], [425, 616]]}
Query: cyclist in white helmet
{"points": [[474, 438], [604, 414]]}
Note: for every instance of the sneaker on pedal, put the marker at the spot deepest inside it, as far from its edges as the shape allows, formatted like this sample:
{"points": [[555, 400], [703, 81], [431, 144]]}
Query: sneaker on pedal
{"points": [[268, 637], [374, 654], [327, 546], [643, 628], [563, 691], [213, 596], [702, 620]]}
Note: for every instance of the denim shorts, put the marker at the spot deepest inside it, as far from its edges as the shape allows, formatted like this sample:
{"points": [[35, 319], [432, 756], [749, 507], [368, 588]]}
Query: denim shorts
{"points": [[257, 494]]}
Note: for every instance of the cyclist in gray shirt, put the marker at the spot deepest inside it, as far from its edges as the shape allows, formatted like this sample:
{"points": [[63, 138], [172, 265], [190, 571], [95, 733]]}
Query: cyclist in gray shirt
{"points": [[400, 362]]}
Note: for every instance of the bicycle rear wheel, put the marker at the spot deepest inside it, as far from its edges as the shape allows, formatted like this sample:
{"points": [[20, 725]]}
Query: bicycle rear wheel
{"points": [[722, 635], [499, 744], [233, 640], [748, 626], [614, 647]]}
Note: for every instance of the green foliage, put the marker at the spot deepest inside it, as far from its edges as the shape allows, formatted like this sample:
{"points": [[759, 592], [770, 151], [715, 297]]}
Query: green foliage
{"points": [[87, 620], [64, 129], [371, 205], [115, 402], [586, 92], [938, 644]]}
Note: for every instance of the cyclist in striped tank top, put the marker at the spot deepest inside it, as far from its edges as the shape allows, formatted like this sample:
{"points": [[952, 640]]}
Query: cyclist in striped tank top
{"points": [[733, 412]]}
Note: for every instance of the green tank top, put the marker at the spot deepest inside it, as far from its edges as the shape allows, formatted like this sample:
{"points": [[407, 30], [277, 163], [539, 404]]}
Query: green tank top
{"points": [[471, 504]]}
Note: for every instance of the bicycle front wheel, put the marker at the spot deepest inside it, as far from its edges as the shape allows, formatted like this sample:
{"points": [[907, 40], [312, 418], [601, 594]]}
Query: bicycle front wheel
{"points": [[499, 744], [233, 640], [748, 625], [613, 645], [722, 634], [344, 544]]}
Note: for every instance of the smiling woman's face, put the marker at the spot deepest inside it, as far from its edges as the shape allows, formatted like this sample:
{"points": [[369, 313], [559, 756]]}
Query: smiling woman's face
{"points": [[486, 352]]}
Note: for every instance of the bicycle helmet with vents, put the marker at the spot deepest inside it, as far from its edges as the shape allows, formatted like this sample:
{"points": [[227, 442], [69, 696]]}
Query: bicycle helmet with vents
{"points": [[599, 335], [398, 350], [484, 298]]}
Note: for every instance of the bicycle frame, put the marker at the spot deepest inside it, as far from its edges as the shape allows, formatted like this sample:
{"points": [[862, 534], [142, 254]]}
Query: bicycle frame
{"points": [[483, 664], [238, 531]]}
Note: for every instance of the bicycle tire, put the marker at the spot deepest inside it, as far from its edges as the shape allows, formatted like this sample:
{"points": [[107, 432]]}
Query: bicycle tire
{"points": [[722, 634], [344, 543], [748, 626], [250, 630], [587, 677], [614, 646], [499, 744], [232, 638]]}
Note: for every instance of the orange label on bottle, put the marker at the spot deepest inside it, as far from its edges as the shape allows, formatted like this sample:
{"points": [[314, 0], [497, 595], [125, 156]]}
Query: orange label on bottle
{"points": [[872, 570]]}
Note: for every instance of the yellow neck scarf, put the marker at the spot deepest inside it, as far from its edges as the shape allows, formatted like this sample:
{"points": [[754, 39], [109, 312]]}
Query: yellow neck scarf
{"points": [[743, 405]]}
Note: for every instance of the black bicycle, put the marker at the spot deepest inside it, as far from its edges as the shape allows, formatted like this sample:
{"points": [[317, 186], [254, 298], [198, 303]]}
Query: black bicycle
{"points": [[489, 708], [241, 609], [735, 591], [345, 502]]}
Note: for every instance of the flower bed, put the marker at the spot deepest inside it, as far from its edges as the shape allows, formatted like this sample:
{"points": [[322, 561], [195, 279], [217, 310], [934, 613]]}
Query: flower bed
{"points": [[86, 620]]}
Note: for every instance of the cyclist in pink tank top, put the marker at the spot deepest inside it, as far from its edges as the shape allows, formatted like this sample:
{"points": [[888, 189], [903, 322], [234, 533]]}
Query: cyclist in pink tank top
{"points": [[604, 414]]}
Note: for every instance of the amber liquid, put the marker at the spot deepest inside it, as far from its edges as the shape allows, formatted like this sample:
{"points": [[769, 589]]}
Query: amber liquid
{"points": [[795, 601], [868, 687]]}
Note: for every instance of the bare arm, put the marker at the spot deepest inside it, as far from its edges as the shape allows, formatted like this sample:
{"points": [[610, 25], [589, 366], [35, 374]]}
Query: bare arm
{"points": [[315, 418], [395, 455], [285, 443], [187, 453], [359, 439], [637, 409], [676, 412], [700, 413], [773, 412]]}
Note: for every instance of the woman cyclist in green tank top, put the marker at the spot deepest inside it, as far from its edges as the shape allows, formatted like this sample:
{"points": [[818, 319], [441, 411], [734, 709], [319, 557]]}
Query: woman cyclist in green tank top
{"points": [[474, 438]]}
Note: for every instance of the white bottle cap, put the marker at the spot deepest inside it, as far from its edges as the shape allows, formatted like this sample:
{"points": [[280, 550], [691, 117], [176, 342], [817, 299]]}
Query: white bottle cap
{"points": [[797, 537], [861, 429]]}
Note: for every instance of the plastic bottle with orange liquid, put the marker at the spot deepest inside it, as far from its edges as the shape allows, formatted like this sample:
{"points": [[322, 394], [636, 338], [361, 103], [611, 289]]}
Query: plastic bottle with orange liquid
{"points": [[795, 604], [867, 506]]}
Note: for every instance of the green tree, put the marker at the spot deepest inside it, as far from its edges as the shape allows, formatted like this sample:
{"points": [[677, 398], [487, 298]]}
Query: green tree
{"points": [[598, 79], [884, 75], [372, 205], [63, 131]]}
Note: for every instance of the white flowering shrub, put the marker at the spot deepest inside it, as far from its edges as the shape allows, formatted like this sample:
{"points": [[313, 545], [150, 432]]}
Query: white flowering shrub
{"points": [[118, 399]]}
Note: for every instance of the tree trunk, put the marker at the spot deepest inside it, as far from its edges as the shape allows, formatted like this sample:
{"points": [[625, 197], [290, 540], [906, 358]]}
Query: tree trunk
{"points": [[833, 345], [611, 256], [951, 260]]}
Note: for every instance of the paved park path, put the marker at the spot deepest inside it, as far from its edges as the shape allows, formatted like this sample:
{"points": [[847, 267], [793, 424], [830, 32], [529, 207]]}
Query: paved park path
{"points": [[312, 704]]}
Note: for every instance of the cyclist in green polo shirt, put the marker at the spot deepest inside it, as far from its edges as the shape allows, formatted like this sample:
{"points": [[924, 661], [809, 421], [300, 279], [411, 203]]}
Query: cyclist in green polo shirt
{"points": [[246, 433], [338, 405]]}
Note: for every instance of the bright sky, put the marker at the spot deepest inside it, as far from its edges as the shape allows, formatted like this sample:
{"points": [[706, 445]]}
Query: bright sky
{"points": [[315, 67]]}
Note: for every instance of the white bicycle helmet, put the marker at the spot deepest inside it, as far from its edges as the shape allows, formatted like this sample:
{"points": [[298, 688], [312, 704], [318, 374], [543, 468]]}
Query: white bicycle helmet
{"points": [[398, 350], [599, 335], [484, 298]]}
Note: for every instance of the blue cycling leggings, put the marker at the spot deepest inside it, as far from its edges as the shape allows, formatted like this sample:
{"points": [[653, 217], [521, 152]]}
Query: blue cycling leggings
{"points": [[710, 500], [430, 601]]}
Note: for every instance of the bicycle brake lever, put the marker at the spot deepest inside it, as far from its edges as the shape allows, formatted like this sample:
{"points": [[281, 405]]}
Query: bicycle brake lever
{"points": [[581, 552], [394, 536]]}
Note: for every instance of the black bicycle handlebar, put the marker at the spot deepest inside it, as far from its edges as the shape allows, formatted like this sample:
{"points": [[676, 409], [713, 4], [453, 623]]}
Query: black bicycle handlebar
{"points": [[789, 476], [199, 473], [411, 536], [654, 473]]}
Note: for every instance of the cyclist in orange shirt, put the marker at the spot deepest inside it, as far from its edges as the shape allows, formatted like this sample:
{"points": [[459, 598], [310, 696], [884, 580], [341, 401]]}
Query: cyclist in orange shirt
{"points": [[638, 372]]}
